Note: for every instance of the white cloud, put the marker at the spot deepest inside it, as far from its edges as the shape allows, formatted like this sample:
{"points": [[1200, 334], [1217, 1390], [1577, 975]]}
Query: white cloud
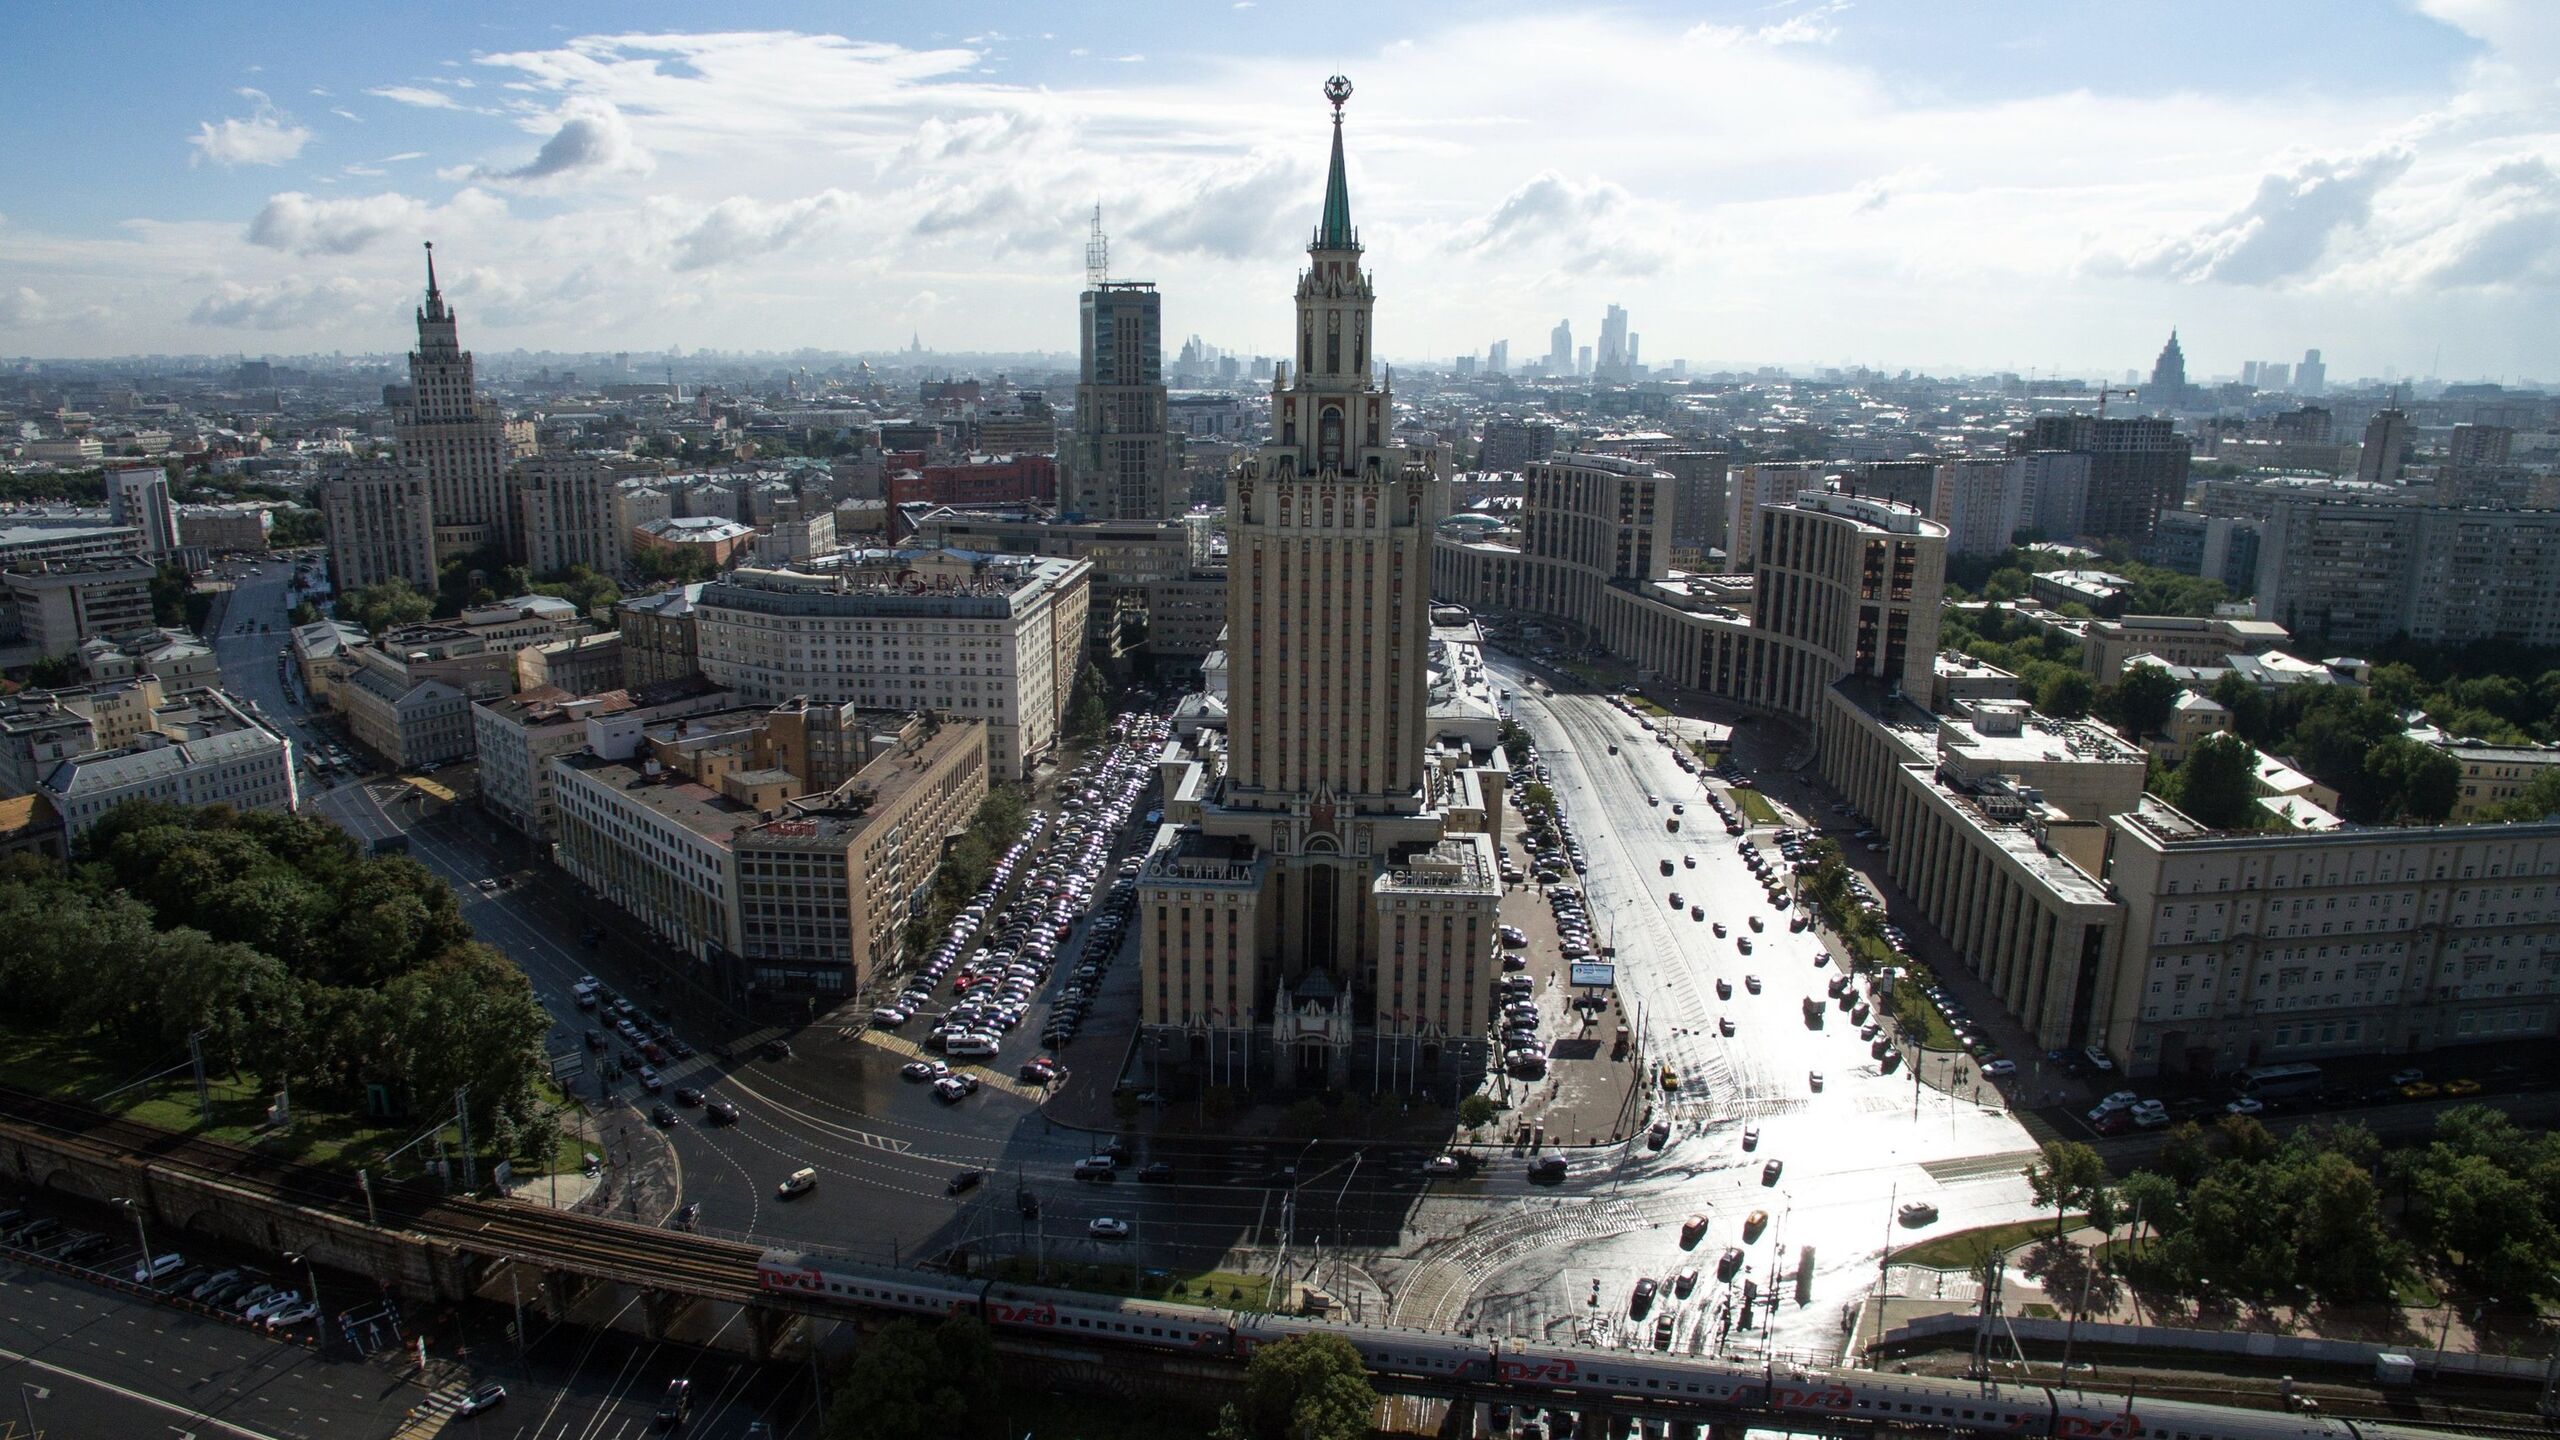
{"points": [[740, 228], [291, 303], [267, 136], [2284, 230], [417, 95], [1589, 225], [22, 308], [302, 225], [593, 139]]}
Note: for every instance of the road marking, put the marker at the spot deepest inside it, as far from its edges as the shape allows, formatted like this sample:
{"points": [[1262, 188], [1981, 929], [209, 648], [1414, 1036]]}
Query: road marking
{"points": [[193, 1416], [901, 1045]]}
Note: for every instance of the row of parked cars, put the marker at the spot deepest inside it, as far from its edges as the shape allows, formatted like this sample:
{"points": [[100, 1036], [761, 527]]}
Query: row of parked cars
{"points": [[996, 960], [256, 1298]]}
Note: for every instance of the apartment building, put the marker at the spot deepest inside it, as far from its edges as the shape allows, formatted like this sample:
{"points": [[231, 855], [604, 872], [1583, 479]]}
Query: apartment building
{"points": [[200, 748], [381, 526], [408, 719], [2492, 775], [996, 639], [40, 729], [2358, 574], [587, 665], [2257, 948], [1163, 579], [567, 513], [1770, 483]]}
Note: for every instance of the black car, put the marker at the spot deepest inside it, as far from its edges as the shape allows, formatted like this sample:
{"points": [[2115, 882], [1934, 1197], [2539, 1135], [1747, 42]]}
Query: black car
{"points": [[1547, 1170], [777, 1048], [964, 1182], [687, 1095], [1157, 1173], [595, 1040], [664, 1116]]}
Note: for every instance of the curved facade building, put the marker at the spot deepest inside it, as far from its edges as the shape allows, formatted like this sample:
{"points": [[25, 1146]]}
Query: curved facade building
{"points": [[1841, 585]]}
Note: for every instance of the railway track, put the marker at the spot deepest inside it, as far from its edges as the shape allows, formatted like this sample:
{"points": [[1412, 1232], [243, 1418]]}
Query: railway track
{"points": [[511, 1229]]}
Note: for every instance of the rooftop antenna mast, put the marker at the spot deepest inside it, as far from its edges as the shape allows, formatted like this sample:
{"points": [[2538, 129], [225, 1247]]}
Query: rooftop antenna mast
{"points": [[1097, 254]]}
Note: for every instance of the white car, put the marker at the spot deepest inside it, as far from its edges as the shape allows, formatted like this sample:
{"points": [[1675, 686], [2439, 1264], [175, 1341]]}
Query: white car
{"points": [[281, 1300], [1103, 1227], [2245, 1105], [292, 1315], [1441, 1165]]}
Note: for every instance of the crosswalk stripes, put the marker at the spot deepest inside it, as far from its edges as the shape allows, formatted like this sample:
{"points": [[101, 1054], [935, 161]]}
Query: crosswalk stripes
{"points": [[901, 1045]]}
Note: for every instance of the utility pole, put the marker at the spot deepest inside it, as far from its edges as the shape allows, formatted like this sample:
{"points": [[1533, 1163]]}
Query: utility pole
{"points": [[204, 1093], [462, 1118]]}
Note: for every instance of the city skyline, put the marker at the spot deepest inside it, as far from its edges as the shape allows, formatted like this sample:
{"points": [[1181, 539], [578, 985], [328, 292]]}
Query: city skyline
{"points": [[2009, 190]]}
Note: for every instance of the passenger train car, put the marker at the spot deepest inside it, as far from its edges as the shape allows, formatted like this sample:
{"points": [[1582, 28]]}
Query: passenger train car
{"points": [[1563, 1375]]}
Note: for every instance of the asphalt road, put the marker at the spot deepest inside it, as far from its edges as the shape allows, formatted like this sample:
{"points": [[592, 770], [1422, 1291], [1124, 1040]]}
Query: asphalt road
{"points": [[1850, 1149], [114, 1366]]}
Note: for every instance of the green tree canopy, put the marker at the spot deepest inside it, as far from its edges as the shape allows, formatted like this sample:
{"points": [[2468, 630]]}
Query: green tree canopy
{"points": [[381, 606], [2218, 782], [2142, 700], [1307, 1387], [2065, 1178], [2410, 783]]}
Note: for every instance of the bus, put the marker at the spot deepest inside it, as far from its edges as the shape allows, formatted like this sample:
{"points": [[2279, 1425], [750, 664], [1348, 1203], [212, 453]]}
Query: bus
{"points": [[2275, 1082]]}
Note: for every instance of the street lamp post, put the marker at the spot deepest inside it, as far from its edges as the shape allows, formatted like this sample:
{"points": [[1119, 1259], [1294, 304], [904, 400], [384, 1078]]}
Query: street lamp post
{"points": [[296, 1257], [139, 1233]]}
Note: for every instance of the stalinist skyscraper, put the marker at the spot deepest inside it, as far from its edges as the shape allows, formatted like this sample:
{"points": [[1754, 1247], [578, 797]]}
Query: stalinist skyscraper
{"points": [[444, 429], [1327, 905]]}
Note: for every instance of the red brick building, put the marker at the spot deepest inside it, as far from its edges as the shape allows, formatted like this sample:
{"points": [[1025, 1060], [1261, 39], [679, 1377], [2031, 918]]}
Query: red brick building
{"points": [[978, 480]]}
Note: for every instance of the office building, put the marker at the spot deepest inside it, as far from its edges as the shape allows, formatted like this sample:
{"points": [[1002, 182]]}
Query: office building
{"points": [[705, 830], [1589, 522], [199, 748], [139, 496], [55, 606], [1159, 587], [234, 529], [1326, 905], [447, 431], [1512, 444], [824, 889], [40, 729], [993, 639], [584, 665], [380, 522], [2386, 448], [567, 513], [2357, 575], [1612, 361], [2310, 377], [2177, 640], [518, 736], [1121, 461], [659, 638], [1560, 349], [30, 541]]}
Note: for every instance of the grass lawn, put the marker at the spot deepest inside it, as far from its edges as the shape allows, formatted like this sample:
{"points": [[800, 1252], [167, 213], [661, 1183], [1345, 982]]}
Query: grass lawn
{"points": [[2411, 1289], [1218, 1288], [1757, 806], [1647, 706], [77, 1069], [1967, 1248]]}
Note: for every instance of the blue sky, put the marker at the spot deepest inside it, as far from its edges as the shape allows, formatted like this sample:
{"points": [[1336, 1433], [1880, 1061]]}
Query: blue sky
{"points": [[2045, 185]]}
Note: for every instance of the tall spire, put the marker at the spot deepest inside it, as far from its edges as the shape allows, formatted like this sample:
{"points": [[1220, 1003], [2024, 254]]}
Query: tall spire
{"points": [[435, 298], [1336, 232]]}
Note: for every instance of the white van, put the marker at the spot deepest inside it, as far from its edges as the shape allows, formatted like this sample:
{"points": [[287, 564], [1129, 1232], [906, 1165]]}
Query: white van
{"points": [[969, 1044], [158, 1266], [801, 1182]]}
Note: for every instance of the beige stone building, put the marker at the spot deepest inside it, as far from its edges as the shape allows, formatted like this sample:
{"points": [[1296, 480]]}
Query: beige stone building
{"points": [[1316, 909], [2180, 640], [2255, 949]]}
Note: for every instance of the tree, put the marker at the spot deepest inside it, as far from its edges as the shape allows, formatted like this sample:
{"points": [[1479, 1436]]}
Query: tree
{"points": [[2218, 783], [911, 1382], [1477, 1111], [2184, 1156], [595, 595], [2540, 797], [1307, 1387], [2065, 1178], [381, 606], [170, 587], [2150, 1200], [2142, 700], [2065, 694], [1088, 712], [2410, 783]]}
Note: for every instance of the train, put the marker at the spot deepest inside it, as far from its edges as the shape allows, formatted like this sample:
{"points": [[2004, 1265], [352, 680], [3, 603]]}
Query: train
{"points": [[1727, 1391]]}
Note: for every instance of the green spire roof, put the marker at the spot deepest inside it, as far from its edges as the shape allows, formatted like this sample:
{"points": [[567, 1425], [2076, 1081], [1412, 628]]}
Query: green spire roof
{"points": [[1336, 232]]}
